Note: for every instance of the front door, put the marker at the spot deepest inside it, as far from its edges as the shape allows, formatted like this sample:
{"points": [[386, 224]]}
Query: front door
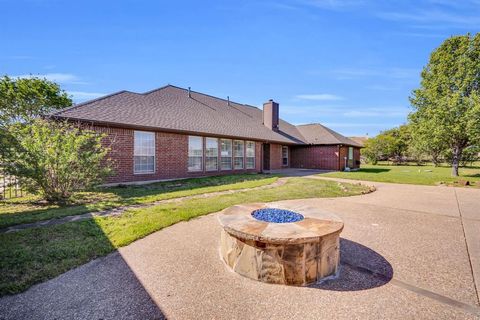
{"points": [[266, 156]]}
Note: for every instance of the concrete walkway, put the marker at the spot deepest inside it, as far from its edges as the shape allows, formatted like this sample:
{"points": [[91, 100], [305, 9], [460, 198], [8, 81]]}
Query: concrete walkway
{"points": [[408, 252]]}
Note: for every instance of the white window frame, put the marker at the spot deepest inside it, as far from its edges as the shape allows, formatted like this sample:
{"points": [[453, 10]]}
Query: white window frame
{"points": [[250, 157], [285, 148], [231, 155], [242, 143], [208, 156], [135, 154], [196, 156]]}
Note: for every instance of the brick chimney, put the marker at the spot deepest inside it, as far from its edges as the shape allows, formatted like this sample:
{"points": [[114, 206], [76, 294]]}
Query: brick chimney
{"points": [[270, 115]]}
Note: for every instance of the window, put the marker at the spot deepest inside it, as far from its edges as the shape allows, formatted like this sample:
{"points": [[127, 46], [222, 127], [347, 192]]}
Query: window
{"points": [[195, 153], [350, 157], [144, 152], [350, 153], [238, 154], [226, 154], [284, 156], [211, 154], [250, 153]]}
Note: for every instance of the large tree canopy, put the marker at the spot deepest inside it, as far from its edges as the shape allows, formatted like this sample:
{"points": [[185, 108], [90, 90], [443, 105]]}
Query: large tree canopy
{"points": [[447, 104], [23, 99]]}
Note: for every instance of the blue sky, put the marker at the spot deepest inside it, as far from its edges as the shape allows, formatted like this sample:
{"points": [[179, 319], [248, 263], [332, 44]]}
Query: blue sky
{"points": [[350, 64]]}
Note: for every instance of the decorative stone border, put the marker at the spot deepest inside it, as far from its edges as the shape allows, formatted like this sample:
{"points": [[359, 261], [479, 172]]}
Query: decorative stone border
{"points": [[297, 253]]}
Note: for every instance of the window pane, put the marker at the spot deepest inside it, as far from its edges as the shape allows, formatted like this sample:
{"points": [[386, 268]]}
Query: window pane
{"points": [[238, 148], [194, 163], [211, 163], [226, 147], [285, 155], [238, 163], [250, 154], [250, 163], [195, 153], [144, 152], [211, 148], [144, 164], [226, 154], [250, 149], [350, 153], [238, 152]]}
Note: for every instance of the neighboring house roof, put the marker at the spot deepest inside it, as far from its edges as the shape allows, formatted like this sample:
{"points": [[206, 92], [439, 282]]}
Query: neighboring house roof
{"points": [[359, 140], [170, 108], [315, 133]]}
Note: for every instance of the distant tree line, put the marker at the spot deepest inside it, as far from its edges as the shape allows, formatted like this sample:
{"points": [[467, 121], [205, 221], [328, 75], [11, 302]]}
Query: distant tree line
{"points": [[445, 123], [399, 146]]}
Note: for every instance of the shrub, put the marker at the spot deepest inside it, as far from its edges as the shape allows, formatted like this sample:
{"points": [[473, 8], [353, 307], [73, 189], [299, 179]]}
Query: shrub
{"points": [[56, 159]]}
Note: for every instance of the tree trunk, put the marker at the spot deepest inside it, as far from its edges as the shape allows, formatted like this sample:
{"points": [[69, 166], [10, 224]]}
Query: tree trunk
{"points": [[455, 160]]}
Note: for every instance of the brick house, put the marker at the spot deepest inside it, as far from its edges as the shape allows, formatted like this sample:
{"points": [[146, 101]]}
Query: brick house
{"points": [[173, 132]]}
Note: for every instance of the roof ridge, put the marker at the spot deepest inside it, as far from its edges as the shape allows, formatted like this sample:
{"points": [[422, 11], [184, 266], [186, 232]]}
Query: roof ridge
{"points": [[76, 105], [158, 89], [203, 94], [309, 124]]}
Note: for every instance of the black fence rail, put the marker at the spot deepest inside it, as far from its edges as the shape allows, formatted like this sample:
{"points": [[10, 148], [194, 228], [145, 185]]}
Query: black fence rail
{"points": [[9, 186]]}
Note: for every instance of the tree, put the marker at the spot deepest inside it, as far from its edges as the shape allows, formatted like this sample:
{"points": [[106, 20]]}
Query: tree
{"points": [[447, 104], [398, 141], [425, 143], [392, 143], [377, 148], [56, 158], [24, 99]]}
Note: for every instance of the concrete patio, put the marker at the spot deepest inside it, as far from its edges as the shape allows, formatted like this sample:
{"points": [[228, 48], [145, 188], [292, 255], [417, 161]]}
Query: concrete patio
{"points": [[407, 252]]}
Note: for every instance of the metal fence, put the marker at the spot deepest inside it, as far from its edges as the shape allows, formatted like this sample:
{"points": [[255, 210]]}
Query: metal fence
{"points": [[9, 186]]}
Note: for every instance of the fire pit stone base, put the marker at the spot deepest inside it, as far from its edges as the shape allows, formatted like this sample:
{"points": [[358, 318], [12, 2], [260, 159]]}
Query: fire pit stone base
{"points": [[297, 253]]}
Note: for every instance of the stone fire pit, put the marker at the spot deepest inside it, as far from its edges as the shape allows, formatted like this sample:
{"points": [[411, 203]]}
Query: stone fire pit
{"points": [[278, 245]]}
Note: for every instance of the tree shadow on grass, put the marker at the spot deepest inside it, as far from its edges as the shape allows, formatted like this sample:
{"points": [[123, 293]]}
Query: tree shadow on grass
{"points": [[105, 288], [360, 268]]}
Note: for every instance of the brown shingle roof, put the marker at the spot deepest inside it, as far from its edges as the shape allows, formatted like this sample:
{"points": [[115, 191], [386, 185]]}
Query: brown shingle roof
{"points": [[170, 108], [359, 140], [315, 133]]}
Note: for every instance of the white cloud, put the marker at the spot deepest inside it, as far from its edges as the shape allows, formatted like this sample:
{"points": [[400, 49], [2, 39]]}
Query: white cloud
{"points": [[56, 77], [319, 97], [82, 95]]}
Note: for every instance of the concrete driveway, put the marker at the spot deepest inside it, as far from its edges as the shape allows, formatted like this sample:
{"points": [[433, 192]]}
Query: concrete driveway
{"points": [[407, 252]]}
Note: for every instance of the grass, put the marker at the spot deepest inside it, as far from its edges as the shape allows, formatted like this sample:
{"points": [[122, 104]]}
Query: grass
{"points": [[409, 174], [29, 209], [35, 255]]}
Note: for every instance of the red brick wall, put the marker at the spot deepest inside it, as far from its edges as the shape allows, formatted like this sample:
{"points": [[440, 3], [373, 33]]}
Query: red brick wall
{"points": [[344, 153], [171, 157], [276, 160], [356, 157], [315, 157], [322, 157], [275, 156]]}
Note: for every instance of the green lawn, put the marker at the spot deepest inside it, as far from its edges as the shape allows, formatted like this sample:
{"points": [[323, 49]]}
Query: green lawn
{"points": [[35, 255], [410, 174], [30, 209]]}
